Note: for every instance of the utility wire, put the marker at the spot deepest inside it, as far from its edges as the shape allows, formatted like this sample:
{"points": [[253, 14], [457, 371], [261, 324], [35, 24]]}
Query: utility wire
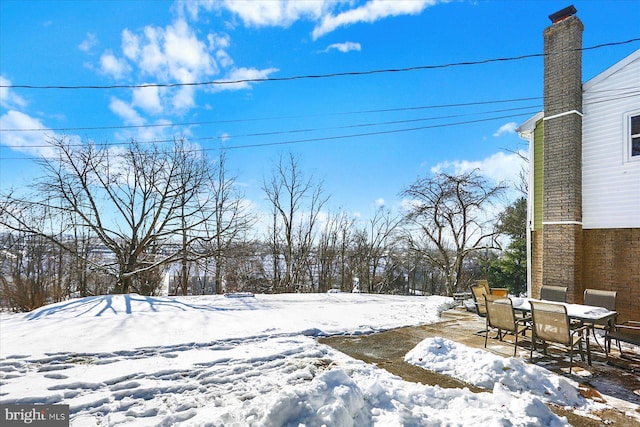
{"points": [[387, 110], [602, 97], [633, 91], [327, 138], [318, 76], [530, 108], [359, 135], [528, 113]]}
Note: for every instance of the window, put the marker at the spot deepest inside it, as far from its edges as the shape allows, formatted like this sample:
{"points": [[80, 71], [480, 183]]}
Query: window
{"points": [[634, 137]]}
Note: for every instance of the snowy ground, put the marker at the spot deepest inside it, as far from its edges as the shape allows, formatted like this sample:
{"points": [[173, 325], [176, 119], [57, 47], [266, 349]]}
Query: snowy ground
{"points": [[220, 361]]}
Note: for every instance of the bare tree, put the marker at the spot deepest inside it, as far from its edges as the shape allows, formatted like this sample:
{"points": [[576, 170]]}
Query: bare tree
{"points": [[192, 172], [29, 264], [373, 244], [331, 251], [133, 199], [296, 203], [449, 215], [231, 220]]}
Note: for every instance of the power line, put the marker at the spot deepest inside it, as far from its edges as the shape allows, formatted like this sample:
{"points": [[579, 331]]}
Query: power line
{"points": [[308, 130], [359, 135], [200, 123], [318, 76], [600, 98], [327, 138], [633, 91]]}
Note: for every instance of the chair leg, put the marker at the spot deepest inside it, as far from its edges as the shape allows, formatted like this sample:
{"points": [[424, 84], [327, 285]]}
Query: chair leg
{"points": [[581, 349], [595, 338], [570, 359], [533, 341], [486, 334]]}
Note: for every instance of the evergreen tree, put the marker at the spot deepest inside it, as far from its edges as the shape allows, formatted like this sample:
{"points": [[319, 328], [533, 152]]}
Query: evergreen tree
{"points": [[510, 269]]}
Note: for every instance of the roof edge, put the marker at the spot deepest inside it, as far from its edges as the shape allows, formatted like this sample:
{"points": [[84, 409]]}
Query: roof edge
{"points": [[525, 129], [632, 57]]}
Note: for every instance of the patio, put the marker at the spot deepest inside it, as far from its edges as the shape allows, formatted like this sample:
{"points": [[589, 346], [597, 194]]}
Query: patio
{"points": [[617, 382]]}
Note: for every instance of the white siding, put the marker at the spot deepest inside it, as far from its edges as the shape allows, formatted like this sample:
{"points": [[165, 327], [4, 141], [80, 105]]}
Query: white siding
{"points": [[610, 185]]}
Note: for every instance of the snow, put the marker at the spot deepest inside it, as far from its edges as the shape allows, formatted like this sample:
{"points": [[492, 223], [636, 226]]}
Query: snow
{"points": [[254, 360], [489, 371]]}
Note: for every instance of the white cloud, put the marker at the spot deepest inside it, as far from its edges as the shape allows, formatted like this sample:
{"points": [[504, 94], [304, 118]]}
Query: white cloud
{"points": [[126, 112], [186, 56], [192, 8], [277, 13], [151, 59], [240, 75], [506, 129], [8, 98], [113, 66], [379, 202], [500, 167], [171, 54], [223, 58], [328, 14], [344, 47], [90, 41], [130, 45], [371, 11], [183, 98], [32, 142], [148, 98]]}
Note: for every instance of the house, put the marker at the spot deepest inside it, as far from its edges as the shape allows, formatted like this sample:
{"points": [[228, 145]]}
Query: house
{"points": [[584, 190]]}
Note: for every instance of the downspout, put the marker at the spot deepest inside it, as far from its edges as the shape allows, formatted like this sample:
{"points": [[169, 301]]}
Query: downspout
{"points": [[526, 132], [530, 208]]}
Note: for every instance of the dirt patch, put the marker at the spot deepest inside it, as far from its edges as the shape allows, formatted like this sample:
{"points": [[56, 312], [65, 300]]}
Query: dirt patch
{"points": [[387, 350]]}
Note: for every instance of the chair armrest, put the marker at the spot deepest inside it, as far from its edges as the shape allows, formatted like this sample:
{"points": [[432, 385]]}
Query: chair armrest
{"points": [[633, 323], [580, 329], [627, 327]]}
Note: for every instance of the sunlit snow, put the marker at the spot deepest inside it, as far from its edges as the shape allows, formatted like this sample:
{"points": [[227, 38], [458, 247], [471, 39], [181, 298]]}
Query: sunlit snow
{"points": [[219, 361]]}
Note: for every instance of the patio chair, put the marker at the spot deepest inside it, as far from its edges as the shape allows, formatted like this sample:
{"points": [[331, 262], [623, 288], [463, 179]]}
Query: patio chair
{"points": [[553, 293], [478, 292], [493, 291], [598, 298], [551, 324], [628, 332], [500, 316], [484, 283]]}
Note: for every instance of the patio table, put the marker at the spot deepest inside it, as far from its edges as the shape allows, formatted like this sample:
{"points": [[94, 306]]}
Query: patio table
{"points": [[580, 312], [585, 314]]}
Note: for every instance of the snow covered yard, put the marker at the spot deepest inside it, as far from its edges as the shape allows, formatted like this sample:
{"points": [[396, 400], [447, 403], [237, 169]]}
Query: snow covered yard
{"points": [[219, 361]]}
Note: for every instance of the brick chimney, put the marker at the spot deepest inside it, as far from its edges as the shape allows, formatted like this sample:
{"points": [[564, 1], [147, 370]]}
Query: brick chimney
{"points": [[562, 181]]}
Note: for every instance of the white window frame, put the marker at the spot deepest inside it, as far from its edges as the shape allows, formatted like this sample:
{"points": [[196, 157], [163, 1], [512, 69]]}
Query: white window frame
{"points": [[628, 137]]}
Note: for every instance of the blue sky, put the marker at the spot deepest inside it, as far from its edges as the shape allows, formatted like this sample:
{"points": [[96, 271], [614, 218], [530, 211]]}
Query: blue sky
{"points": [[107, 43]]}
